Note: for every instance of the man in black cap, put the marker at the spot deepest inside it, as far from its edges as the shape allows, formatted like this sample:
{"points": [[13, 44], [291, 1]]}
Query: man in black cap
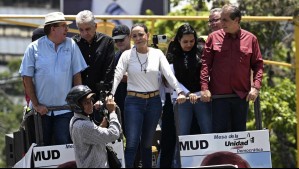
{"points": [[121, 36]]}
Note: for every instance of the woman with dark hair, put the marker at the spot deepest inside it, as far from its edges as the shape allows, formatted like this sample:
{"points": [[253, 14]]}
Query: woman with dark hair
{"points": [[143, 105], [187, 66]]}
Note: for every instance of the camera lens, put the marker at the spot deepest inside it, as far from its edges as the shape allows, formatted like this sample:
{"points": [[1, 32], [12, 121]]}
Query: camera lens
{"points": [[164, 37]]}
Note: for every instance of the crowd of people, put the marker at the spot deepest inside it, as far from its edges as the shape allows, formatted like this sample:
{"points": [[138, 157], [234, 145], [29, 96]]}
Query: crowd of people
{"points": [[209, 80]]}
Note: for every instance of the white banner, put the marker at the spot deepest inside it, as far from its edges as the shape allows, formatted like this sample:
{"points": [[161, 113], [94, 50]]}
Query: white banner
{"points": [[53, 156], [25, 162], [252, 147]]}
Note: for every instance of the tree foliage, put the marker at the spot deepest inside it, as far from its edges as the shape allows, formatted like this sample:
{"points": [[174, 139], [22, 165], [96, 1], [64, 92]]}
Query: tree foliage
{"points": [[169, 27], [274, 32], [10, 114], [278, 107], [10, 118]]}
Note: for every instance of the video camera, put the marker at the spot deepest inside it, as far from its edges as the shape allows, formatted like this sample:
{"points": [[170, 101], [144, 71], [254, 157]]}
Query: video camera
{"points": [[103, 90], [158, 39]]}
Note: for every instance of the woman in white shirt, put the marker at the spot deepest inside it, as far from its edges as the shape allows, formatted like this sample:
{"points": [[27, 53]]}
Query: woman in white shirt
{"points": [[143, 105]]}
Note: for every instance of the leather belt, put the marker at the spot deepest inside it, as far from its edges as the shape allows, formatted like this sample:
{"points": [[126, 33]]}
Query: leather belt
{"points": [[144, 95]]}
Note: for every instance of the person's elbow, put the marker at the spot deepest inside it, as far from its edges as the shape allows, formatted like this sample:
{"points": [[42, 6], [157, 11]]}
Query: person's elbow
{"points": [[114, 134]]}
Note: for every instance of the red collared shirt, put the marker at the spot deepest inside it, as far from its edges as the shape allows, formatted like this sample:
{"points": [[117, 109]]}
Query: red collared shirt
{"points": [[227, 63]]}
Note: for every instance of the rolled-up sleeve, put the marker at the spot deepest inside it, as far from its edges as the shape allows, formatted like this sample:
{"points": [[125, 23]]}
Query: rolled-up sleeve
{"points": [[207, 59]]}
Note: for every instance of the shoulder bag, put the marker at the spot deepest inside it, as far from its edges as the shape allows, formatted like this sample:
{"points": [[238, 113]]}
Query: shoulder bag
{"points": [[112, 158]]}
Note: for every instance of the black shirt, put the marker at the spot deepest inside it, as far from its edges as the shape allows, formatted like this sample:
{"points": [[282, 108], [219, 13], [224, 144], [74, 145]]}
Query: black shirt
{"points": [[187, 70], [99, 56]]}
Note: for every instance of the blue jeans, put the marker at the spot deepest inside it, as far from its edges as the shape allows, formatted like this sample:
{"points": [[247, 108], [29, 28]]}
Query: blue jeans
{"points": [[57, 128], [120, 97], [141, 120], [203, 115], [229, 114]]}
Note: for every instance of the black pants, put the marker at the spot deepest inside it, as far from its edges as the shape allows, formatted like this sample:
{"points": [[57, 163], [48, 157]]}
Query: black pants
{"points": [[120, 96], [229, 114], [168, 138]]}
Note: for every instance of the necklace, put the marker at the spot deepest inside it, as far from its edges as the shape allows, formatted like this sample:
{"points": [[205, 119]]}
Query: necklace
{"points": [[142, 65]]}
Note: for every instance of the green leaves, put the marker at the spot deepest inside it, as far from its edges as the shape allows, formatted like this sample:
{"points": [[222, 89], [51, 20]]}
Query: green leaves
{"points": [[10, 114], [278, 107]]}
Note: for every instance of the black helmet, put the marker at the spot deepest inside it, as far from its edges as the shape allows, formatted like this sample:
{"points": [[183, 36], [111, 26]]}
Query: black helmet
{"points": [[77, 93]]}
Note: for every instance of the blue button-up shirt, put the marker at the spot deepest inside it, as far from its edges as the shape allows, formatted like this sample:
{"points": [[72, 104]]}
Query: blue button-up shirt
{"points": [[52, 71]]}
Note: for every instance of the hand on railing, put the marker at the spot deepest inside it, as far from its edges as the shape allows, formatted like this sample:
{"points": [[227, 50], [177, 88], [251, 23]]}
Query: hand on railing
{"points": [[206, 96], [42, 110], [193, 98], [49, 108], [181, 98]]}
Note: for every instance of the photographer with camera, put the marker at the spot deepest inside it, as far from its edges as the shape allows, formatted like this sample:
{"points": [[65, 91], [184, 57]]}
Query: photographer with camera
{"points": [[143, 105], [89, 139]]}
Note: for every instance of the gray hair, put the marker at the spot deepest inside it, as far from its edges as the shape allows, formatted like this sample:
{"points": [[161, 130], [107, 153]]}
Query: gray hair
{"points": [[85, 16], [215, 10]]}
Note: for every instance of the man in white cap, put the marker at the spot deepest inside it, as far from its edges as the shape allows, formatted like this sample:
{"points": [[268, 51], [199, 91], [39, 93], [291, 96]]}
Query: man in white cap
{"points": [[50, 67]]}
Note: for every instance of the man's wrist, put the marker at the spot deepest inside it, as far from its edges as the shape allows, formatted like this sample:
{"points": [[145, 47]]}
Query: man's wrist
{"points": [[110, 94], [255, 87], [35, 104], [204, 87]]}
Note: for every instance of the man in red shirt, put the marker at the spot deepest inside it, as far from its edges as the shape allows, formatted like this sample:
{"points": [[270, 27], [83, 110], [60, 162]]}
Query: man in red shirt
{"points": [[229, 56]]}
